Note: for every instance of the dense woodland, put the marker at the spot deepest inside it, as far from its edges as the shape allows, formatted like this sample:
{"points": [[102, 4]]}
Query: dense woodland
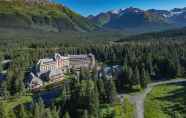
{"points": [[89, 95]]}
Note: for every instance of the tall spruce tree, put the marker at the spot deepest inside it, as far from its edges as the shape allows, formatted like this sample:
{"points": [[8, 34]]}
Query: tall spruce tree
{"points": [[145, 78], [93, 99], [101, 89], [129, 77], [136, 77], [55, 112], [85, 114], [36, 111], [48, 113], [2, 111], [22, 113], [4, 90], [66, 115], [179, 69], [110, 91]]}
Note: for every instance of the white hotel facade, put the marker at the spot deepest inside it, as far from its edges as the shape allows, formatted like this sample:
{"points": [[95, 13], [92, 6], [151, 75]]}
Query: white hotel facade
{"points": [[50, 70]]}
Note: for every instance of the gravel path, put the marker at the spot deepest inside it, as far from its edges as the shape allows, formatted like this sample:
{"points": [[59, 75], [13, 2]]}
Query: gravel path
{"points": [[138, 99]]}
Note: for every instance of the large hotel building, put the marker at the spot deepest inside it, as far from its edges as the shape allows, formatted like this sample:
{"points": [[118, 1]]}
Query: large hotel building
{"points": [[51, 70]]}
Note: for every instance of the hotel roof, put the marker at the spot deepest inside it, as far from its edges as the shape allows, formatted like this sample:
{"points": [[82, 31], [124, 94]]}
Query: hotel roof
{"points": [[77, 56], [46, 61]]}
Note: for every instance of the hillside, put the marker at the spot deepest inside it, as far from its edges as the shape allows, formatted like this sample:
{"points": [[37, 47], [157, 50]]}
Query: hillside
{"points": [[42, 15], [175, 34]]}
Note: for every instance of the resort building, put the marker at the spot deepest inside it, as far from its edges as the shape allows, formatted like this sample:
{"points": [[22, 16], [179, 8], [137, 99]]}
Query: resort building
{"points": [[34, 82], [79, 61], [50, 70], [52, 64]]}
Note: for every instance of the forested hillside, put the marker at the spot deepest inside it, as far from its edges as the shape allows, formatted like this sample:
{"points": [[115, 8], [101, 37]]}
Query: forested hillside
{"points": [[41, 15], [176, 34]]}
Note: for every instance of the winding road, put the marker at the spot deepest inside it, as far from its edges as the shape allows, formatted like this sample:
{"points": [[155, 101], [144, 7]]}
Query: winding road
{"points": [[138, 99]]}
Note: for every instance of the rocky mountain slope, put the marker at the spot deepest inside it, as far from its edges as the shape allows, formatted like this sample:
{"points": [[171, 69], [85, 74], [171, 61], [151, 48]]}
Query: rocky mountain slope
{"points": [[134, 18]]}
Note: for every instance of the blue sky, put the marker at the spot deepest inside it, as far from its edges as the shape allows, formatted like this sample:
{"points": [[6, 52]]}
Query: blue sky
{"points": [[87, 7]]}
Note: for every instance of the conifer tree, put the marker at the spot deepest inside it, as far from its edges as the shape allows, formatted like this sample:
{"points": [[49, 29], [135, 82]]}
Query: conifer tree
{"points": [[4, 91], [39, 109], [22, 113], [92, 97], [150, 65], [179, 69], [129, 78], [66, 115], [48, 113], [145, 78], [2, 111], [125, 81], [136, 77], [101, 90], [110, 90], [36, 111], [55, 112], [85, 114]]}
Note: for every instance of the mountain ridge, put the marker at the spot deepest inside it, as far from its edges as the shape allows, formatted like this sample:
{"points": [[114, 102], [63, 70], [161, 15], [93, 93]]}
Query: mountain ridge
{"points": [[50, 16], [134, 18]]}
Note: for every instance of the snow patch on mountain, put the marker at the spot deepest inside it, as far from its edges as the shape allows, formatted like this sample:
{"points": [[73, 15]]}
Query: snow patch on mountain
{"points": [[116, 11]]}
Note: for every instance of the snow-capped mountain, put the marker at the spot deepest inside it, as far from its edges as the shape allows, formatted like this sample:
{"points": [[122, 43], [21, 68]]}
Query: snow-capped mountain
{"points": [[127, 10], [138, 18], [176, 16], [116, 11], [129, 18]]}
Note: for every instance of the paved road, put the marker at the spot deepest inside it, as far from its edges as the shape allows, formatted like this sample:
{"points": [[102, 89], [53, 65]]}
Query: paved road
{"points": [[138, 99]]}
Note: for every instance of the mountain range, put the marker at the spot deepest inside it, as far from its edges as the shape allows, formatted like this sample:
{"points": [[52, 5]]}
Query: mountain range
{"points": [[138, 19], [49, 16]]}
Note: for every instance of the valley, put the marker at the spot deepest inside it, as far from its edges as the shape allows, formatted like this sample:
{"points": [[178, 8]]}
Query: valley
{"points": [[140, 63], [121, 63]]}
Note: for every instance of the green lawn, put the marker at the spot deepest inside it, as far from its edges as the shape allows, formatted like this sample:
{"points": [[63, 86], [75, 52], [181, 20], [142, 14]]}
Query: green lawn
{"points": [[13, 102], [166, 101]]}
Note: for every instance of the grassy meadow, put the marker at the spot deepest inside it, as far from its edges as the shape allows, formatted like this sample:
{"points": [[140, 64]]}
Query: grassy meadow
{"points": [[166, 101]]}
